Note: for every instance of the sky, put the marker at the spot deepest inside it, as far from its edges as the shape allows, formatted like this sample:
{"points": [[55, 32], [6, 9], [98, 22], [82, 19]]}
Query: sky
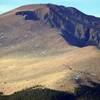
{"points": [[90, 7]]}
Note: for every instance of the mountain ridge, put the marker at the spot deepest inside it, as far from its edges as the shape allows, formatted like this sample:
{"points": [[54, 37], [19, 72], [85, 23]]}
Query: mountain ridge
{"points": [[60, 16]]}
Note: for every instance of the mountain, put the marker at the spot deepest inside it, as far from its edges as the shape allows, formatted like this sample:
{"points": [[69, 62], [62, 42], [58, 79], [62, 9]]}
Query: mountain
{"points": [[22, 34], [49, 45], [77, 28], [74, 26]]}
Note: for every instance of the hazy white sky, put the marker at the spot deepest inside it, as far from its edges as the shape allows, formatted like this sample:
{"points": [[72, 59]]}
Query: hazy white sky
{"points": [[91, 7]]}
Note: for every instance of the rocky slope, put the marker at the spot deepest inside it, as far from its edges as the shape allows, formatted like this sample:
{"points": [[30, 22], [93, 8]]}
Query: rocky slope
{"points": [[74, 26], [77, 28]]}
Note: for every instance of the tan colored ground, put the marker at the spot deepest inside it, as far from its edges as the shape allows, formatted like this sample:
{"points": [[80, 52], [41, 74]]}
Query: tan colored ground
{"points": [[50, 71]]}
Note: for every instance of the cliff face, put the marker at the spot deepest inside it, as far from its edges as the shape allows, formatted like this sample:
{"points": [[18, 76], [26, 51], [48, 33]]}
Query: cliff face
{"points": [[76, 27]]}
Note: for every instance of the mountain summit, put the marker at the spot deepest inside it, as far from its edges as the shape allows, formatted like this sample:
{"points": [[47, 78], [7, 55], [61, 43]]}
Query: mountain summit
{"points": [[75, 27]]}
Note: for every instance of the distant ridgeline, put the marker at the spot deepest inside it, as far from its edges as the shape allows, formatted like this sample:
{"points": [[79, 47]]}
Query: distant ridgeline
{"points": [[76, 27]]}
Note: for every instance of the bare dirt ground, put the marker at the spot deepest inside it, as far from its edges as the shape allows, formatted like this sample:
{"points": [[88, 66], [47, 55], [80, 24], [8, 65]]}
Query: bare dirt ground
{"points": [[55, 71]]}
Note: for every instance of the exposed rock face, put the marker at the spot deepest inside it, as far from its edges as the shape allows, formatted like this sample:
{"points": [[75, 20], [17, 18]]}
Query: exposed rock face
{"points": [[77, 28]]}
